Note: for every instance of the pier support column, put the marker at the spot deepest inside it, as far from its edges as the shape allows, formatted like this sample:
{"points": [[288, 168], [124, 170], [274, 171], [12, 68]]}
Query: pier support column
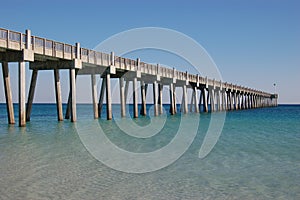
{"points": [[122, 97], [69, 105], [255, 100], [58, 95], [143, 97], [68, 111], [174, 98], [235, 101], [205, 106], [108, 98], [8, 95], [228, 100], [184, 98], [192, 100], [171, 89], [212, 100], [240, 101], [196, 100], [218, 100], [231, 101], [224, 100], [73, 74], [249, 101], [101, 98], [22, 104], [127, 82], [246, 101], [94, 96], [160, 103], [31, 94], [135, 99], [155, 98]]}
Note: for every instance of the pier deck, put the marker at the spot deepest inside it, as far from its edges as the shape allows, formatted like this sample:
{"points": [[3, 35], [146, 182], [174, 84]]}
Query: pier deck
{"points": [[45, 54]]}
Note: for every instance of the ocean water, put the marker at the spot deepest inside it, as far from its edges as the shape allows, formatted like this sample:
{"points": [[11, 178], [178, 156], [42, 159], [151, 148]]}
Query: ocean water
{"points": [[256, 157]]}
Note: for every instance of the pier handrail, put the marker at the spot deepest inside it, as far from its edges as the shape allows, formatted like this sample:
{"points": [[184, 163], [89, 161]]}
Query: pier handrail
{"points": [[17, 41]]}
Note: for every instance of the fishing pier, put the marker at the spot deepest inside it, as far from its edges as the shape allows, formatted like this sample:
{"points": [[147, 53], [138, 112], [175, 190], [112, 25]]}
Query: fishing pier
{"points": [[44, 54]]}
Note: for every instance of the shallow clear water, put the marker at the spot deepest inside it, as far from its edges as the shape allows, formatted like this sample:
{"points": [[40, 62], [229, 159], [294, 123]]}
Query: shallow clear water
{"points": [[256, 157]]}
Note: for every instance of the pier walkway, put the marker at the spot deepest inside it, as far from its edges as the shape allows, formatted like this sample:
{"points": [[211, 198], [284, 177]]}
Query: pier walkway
{"points": [[45, 54]]}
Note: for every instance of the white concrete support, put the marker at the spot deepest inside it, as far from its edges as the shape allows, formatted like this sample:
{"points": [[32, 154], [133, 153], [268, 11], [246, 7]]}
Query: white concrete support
{"points": [[224, 100], [196, 100], [243, 101], [127, 82], [249, 101], [135, 99], [192, 100], [212, 100], [174, 98], [240, 101], [171, 89], [184, 104], [94, 96], [256, 102], [160, 102], [108, 98], [144, 87], [246, 101], [235, 101], [229, 100], [8, 93], [73, 94], [155, 103], [101, 98], [122, 97], [22, 111], [68, 110], [58, 95], [31, 94], [69, 104], [143, 98], [205, 104], [218, 100]]}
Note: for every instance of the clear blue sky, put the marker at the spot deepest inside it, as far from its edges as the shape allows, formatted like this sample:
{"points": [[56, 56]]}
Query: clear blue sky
{"points": [[254, 43]]}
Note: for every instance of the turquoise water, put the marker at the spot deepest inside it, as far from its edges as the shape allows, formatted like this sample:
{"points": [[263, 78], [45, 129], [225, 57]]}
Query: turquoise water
{"points": [[256, 157]]}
